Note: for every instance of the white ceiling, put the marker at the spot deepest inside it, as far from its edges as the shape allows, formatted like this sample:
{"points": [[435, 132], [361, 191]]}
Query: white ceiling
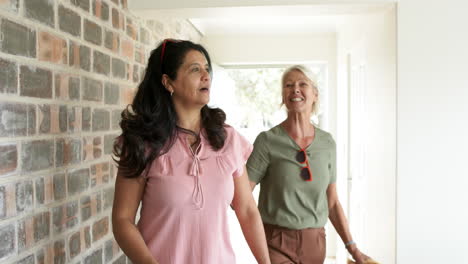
{"points": [[174, 4], [260, 17], [266, 25]]}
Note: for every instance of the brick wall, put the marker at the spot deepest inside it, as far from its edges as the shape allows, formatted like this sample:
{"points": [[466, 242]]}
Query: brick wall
{"points": [[67, 68]]}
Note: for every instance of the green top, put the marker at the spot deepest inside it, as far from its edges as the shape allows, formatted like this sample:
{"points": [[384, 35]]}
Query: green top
{"points": [[285, 198]]}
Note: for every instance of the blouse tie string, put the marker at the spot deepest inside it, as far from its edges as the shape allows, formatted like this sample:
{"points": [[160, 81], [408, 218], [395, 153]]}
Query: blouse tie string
{"points": [[195, 170]]}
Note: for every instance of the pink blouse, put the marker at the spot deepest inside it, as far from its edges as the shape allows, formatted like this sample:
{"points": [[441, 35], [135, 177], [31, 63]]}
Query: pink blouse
{"points": [[183, 218]]}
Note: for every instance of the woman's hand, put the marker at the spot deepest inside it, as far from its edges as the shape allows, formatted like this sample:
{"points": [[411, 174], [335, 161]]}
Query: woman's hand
{"points": [[358, 256]]}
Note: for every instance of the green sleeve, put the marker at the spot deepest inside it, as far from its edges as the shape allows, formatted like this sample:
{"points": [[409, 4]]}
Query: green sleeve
{"points": [[332, 165], [258, 162]]}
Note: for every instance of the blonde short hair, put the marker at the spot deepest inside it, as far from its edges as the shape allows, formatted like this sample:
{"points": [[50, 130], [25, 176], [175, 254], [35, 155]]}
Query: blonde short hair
{"points": [[312, 78]]}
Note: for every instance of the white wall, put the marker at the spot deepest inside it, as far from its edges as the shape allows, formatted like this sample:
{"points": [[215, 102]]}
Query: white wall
{"points": [[370, 42], [432, 185], [282, 50]]}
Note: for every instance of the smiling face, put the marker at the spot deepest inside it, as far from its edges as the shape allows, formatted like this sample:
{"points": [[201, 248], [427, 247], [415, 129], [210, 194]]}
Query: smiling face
{"points": [[192, 84], [299, 93]]}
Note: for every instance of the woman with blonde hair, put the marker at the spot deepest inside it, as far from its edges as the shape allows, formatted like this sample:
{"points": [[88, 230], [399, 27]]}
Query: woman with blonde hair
{"points": [[295, 165]]}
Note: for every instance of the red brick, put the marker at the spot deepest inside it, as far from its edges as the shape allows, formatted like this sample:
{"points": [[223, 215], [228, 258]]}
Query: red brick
{"points": [[67, 151], [17, 119], [85, 235], [92, 32], [74, 244], [92, 89], [8, 158], [65, 216], [109, 143], [127, 49], [117, 19], [119, 68], [127, 95], [86, 118], [59, 186], [69, 21], [33, 229], [35, 82], [52, 253], [67, 87], [99, 174], [140, 55], [37, 155], [79, 241], [90, 206], [111, 93], [111, 250], [92, 148], [41, 224], [45, 189], [80, 56], [7, 234], [8, 201], [132, 30], [100, 228], [74, 119], [116, 118], [129, 71], [108, 198], [101, 120], [101, 63], [77, 181], [25, 234], [94, 258], [8, 77], [17, 39], [40, 10], [101, 10], [24, 195], [52, 48], [51, 119], [112, 41]]}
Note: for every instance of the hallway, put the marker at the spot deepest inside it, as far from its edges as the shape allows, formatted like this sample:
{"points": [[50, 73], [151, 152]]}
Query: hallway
{"points": [[69, 67]]}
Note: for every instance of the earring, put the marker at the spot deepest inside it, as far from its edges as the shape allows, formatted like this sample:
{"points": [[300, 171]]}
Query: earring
{"points": [[172, 93]]}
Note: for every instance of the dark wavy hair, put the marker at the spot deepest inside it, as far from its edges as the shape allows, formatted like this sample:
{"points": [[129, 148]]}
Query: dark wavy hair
{"points": [[149, 124]]}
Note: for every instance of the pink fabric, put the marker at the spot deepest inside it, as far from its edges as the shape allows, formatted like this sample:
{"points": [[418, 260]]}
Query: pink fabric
{"points": [[183, 218]]}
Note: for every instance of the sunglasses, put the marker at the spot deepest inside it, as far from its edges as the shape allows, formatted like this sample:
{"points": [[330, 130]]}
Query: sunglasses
{"points": [[306, 173], [163, 48]]}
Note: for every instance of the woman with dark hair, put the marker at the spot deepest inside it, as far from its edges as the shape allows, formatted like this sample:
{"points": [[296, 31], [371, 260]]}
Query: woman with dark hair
{"points": [[186, 166], [295, 165]]}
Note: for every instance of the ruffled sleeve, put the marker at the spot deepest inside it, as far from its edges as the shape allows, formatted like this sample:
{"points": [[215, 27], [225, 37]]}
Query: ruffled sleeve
{"points": [[236, 151]]}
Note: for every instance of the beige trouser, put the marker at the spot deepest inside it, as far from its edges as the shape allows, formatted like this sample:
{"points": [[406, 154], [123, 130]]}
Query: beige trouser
{"points": [[288, 246]]}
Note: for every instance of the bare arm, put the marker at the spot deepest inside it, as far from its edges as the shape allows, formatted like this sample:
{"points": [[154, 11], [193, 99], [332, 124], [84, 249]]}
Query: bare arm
{"points": [[338, 219], [249, 218], [252, 185], [128, 194]]}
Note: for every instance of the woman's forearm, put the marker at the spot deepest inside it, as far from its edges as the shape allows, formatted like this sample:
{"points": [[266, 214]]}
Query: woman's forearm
{"points": [[131, 242], [252, 228], [338, 219]]}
